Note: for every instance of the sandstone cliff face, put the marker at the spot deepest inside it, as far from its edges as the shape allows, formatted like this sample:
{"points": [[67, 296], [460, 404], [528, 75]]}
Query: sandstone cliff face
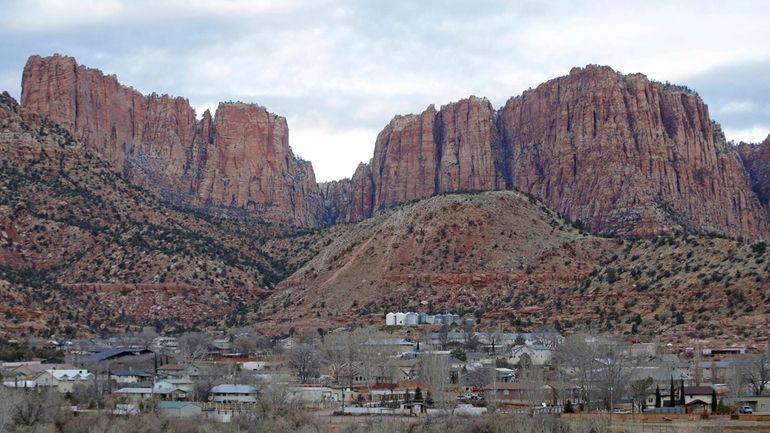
{"points": [[756, 159], [238, 159], [627, 156], [621, 154], [416, 156]]}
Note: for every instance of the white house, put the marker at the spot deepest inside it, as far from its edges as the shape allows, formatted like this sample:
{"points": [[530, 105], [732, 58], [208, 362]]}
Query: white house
{"points": [[233, 393], [538, 354]]}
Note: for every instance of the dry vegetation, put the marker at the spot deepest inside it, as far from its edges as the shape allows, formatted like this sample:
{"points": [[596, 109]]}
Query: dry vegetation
{"points": [[507, 259]]}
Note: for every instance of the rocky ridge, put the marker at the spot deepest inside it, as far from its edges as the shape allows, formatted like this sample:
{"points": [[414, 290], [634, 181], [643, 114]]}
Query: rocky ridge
{"points": [[239, 158], [618, 153], [756, 159]]}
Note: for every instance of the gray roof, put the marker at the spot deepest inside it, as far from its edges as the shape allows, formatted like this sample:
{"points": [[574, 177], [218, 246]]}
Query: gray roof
{"points": [[106, 354], [233, 389]]}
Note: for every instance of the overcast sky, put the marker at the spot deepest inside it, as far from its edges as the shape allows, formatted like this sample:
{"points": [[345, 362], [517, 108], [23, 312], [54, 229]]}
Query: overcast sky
{"points": [[340, 70]]}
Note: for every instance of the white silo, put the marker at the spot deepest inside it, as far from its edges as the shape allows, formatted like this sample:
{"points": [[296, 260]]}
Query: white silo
{"points": [[400, 318], [411, 318], [390, 319]]}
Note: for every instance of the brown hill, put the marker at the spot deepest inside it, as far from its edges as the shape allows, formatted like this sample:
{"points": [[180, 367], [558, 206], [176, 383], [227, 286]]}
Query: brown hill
{"points": [[81, 249], [510, 261]]}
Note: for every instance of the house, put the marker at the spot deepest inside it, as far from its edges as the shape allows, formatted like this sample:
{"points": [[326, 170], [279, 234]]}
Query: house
{"points": [[130, 376], [234, 393], [538, 354], [697, 399], [181, 387], [62, 380], [760, 405], [178, 409], [118, 354], [312, 393], [179, 370]]}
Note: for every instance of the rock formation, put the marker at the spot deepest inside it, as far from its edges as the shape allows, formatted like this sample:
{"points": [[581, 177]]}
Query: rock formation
{"points": [[621, 154], [756, 159], [618, 153], [628, 156], [239, 159]]}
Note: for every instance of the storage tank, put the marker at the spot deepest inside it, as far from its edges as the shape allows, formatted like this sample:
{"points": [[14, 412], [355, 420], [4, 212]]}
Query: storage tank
{"points": [[411, 318], [423, 318], [390, 319], [400, 318]]}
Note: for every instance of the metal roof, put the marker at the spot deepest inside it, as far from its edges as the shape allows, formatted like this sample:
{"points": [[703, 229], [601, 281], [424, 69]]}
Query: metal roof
{"points": [[173, 404], [233, 389]]}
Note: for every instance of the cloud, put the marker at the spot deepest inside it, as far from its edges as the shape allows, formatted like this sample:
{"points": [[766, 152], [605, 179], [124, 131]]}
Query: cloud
{"points": [[340, 70]]}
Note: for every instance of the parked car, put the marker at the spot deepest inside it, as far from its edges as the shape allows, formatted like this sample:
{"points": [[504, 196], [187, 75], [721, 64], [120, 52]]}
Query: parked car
{"points": [[620, 410], [745, 409]]}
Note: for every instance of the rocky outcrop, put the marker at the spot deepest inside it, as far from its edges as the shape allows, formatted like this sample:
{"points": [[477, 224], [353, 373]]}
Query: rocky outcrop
{"points": [[756, 159], [628, 156], [416, 156], [239, 159], [620, 154]]}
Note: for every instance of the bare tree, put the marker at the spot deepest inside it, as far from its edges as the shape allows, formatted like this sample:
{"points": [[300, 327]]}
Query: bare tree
{"points": [[470, 339], [434, 369], [10, 400], [305, 361], [612, 374], [245, 344], [194, 345], [532, 378], [640, 389], [38, 408], [757, 373], [578, 356], [443, 336]]}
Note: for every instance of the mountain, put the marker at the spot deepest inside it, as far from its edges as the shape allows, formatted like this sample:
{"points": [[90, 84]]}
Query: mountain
{"points": [[618, 153], [82, 250], [238, 161], [756, 158], [508, 260]]}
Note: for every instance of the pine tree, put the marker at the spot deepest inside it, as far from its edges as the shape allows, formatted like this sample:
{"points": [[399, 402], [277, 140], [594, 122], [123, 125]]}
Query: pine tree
{"points": [[671, 398], [713, 401], [657, 397], [418, 395], [681, 392]]}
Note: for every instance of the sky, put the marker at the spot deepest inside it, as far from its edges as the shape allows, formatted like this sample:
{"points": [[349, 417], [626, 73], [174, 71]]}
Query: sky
{"points": [[340, 70]]}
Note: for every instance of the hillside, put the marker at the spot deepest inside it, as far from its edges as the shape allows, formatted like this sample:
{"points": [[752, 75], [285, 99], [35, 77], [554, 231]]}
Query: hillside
{"points": [[83, 250], [507, 259]]}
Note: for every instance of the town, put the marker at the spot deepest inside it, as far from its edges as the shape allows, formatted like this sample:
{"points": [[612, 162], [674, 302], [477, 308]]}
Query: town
{"points": [[445, 369]]}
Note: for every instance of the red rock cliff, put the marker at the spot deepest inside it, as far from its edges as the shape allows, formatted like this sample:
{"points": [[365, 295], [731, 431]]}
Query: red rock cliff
{"points": [[756, 159], [239, 159], [619, 153], [416, 156], [627, 156]]}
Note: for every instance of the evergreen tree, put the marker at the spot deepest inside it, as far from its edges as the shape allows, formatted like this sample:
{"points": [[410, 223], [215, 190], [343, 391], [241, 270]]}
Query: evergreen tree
{"points": [[568, 408], [671, 398], [713, 401], [657, 397], [418, 395], [681, 392]]}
